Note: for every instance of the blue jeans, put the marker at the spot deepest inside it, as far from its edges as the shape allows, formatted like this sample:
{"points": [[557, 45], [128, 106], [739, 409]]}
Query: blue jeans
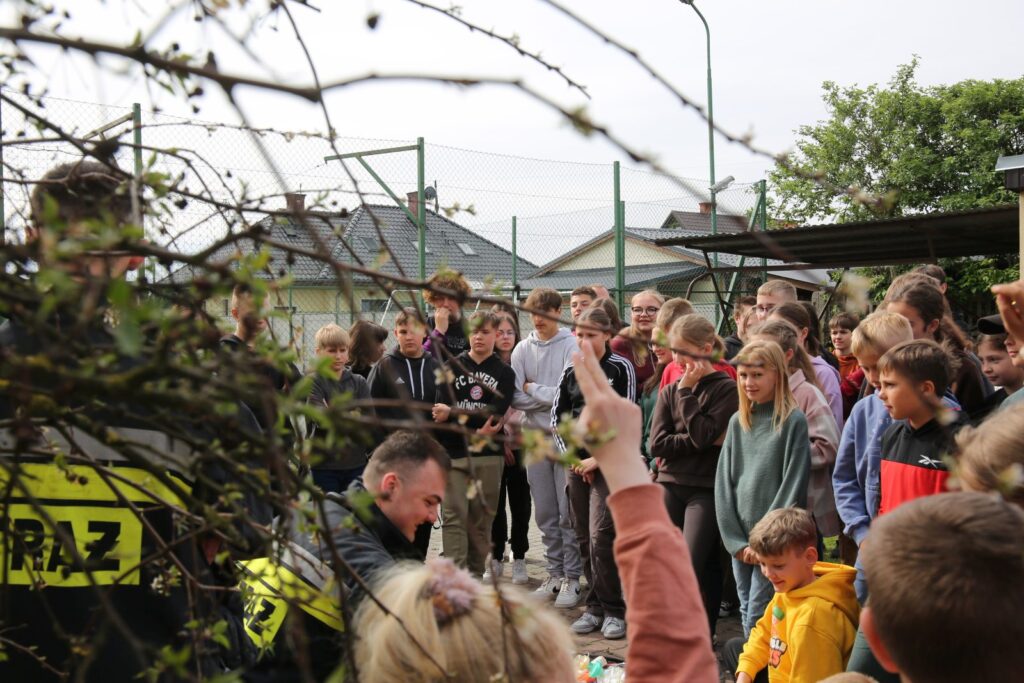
{"points": [[336, 480], [755, 592]]}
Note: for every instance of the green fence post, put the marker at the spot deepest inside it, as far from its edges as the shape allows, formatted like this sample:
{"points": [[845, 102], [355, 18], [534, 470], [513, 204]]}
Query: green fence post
{"points": [[515, 259], [3, 214], [421, 209], [763, 205], [620, 256]]}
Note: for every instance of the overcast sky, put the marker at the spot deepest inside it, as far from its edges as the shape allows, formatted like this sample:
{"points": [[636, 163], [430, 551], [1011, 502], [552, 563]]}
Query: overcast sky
{"points": [[769, 60]]}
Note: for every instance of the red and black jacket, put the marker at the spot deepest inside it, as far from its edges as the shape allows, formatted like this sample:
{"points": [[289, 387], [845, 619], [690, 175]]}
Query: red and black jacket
{"points": [[913, 462]]}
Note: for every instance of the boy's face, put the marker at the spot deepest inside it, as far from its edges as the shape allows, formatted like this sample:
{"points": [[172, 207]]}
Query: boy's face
{"points": [[579, 303], [1013, 349], [903, 398], [997, 365], [841, 340], [792, 569], [765, 304], [338, 353], [868, 361], [544, 325], [410, 339], [481, 340], [451, 303], [250, 318]]}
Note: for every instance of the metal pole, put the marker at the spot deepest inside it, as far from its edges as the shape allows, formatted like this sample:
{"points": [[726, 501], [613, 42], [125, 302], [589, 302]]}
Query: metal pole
{"points": [[515, 258], [3, 214], [763, 203], [137, 136], [421, 209], [620, 257]]}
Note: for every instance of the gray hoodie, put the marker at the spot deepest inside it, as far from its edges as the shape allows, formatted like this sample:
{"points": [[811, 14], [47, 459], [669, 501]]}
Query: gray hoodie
{"points": [[540, 363]]}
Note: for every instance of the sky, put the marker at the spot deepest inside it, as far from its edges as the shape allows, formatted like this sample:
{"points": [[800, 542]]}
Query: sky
{"points": [[769, 60]]}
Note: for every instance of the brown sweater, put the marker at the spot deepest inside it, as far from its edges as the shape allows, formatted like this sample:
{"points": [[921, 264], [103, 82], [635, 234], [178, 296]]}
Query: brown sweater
{"points": [[667, 642], [686, 427]]}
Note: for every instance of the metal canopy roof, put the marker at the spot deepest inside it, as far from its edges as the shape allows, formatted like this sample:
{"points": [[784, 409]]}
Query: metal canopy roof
{"points": [[907, 239]]}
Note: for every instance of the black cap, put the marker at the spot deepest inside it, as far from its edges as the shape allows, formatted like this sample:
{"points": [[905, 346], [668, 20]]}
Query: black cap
{"points": [[991, 324]]}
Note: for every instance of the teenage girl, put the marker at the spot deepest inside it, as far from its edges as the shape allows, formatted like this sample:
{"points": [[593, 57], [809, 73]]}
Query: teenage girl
{"points": [[592, 520], [828, 377], [764, 465], [821, 425], [998, 368], [690, 419], [632, 344], [514, 486], [922, 303]]}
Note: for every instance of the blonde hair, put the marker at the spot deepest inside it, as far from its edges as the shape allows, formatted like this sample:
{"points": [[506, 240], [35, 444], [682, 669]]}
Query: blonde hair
{"points": [[766, 354], [637, 340], [785, 335], [694, 329], [992, 455], [474, 632], [879, 332], [778, 288], [331, 335], [782, 529], [672, 310]]}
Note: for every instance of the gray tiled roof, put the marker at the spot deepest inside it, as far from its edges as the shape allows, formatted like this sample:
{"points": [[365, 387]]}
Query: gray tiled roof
{"points": [[636, 277], [697, 222], [443, 238]]}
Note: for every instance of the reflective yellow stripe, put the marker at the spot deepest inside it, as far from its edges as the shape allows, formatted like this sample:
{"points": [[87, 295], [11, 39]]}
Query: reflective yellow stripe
{"points": [[268, 588], [47, 481]]}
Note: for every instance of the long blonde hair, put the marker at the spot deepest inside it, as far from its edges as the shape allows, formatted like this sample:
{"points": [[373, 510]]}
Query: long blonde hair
{"points": [[473, 632], [637, 340], [785, 335], [768, 355]]}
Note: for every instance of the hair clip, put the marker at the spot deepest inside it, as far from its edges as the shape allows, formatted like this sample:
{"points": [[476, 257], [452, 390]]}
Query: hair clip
{"points": [[451, 590]]}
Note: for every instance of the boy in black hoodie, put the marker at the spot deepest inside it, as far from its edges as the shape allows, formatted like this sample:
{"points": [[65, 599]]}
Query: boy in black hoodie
{"points": [[447, 337], [481, 389], [334, 467], [405, 378]]}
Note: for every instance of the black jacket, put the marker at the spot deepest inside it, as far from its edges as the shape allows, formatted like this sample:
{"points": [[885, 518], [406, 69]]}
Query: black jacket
{"points": [[398, 378], [569, 399], [353, 453], [267, 377], [113, 531], [482, 390], [455, 339]]}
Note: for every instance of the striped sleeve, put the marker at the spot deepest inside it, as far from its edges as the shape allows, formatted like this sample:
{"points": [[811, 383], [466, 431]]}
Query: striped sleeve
{"points": [[625, 382], [562, 403]]}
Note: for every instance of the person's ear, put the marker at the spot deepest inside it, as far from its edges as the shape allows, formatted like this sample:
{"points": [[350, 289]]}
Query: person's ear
{"points": [[927, 387], [878, 648], [234, 313], [789, 356], [931, 327], [811, 555], [388, 485]]}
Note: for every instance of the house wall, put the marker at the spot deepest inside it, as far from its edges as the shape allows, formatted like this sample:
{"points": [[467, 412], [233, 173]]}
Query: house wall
{"points": [[603, 256]]}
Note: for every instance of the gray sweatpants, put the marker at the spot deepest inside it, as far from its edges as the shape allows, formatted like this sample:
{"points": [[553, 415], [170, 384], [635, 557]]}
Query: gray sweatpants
{"points": [[551, 511]]}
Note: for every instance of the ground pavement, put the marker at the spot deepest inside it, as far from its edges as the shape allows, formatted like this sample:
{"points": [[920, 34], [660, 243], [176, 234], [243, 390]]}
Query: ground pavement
{"points": [[592, 644]]}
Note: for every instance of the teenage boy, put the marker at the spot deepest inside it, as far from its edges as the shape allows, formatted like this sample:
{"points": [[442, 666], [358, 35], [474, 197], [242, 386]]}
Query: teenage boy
{"points": [[580, 300], [445, 323], [771, 294], [734, 342], [538, 362], [405, 378], [336, 465], [481, 389], [808, 629], [913, 376], [947, 589], [851, 376]]}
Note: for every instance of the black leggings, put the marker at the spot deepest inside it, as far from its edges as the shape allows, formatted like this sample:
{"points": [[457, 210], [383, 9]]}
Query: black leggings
{"points": [[692, 509], [516, 488]]}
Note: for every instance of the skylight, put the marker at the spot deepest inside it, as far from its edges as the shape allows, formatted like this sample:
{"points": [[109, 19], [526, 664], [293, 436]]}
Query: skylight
{"points": [[466, 249]]}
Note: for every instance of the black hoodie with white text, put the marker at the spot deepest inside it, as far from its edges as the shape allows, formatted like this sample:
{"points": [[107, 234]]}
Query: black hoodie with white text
{"points": [[481, 389]]}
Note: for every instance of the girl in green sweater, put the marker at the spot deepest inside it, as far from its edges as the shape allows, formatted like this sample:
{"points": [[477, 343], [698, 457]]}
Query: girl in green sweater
{"points": [[764, 465]]}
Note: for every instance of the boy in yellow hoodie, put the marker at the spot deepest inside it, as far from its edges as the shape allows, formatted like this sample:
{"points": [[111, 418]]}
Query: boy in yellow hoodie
{"points": [[808, 629]]}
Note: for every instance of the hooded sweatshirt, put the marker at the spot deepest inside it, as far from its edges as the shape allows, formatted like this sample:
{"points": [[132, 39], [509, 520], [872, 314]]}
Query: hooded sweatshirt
{"points": [[540, 363], [687, 423], [484, 390], [912, 463], [806, 634], [569, 399], [454, 339], [353, 454], [399, 377]]}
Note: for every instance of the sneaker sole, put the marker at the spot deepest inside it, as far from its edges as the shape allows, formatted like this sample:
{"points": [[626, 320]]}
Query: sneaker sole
{"points": [[619, 636], [567, 605]]}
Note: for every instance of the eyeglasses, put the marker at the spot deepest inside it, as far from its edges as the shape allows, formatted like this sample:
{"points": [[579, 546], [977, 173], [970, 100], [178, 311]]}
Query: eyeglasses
{"points": [[640, 310], [765, 309]]}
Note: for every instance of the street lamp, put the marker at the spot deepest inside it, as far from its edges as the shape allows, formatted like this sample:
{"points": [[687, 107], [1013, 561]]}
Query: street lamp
{"points": [[711, 123]]}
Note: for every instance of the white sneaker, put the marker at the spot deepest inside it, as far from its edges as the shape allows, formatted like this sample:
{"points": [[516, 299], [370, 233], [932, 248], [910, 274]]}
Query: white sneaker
{"points": [[587, 623], [519, 576], [493, 567], [613, 628], [568, 594], [549, 589]]}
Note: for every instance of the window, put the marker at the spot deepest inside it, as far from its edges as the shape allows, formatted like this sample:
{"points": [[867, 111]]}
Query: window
{"points": [[373, 305], [466, 249], [416, 247]]}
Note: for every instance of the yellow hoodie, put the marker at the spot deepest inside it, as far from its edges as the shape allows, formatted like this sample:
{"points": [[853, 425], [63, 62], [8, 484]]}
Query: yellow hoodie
{"points": [[806, 634]]}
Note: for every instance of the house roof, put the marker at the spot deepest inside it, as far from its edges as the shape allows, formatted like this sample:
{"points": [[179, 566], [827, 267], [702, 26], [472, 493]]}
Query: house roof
{"points": [[906, 239], [636, 277], [699, 222], [447, 243]]}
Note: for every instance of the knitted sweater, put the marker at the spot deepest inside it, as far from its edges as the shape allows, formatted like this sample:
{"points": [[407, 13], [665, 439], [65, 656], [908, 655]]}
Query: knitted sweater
{"points": [[758, 471]]}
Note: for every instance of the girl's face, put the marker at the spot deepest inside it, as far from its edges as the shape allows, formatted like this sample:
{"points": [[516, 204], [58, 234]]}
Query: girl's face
{"points": [[686, 353], [644, 309], [596, 339], [506, 336], [662, 353], [757, 382], [922, 329], [998, 367]]}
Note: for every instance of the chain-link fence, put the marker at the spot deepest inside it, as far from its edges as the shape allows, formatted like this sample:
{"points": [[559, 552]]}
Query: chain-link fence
{"points": [[508, 223]]}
